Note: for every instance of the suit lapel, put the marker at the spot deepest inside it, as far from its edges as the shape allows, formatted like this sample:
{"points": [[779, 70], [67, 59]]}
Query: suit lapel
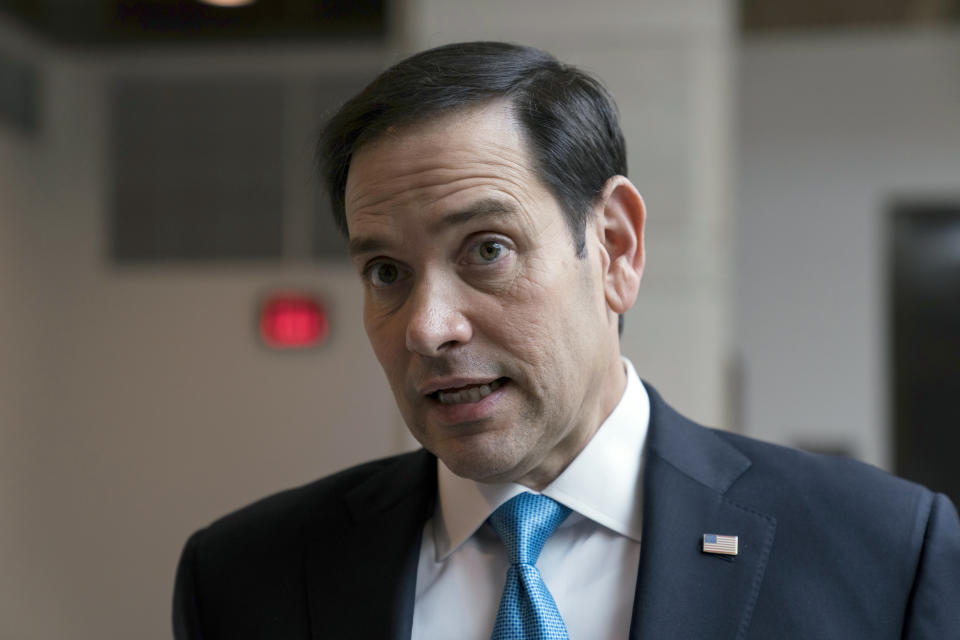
{"points": [[361, 569], [681, 591]]}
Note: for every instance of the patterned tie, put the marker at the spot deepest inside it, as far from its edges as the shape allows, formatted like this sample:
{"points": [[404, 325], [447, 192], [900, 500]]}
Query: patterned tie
{"points": [[527, 610]]}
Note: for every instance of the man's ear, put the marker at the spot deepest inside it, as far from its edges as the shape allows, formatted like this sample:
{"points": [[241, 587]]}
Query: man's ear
{"points": [[622, 217]]}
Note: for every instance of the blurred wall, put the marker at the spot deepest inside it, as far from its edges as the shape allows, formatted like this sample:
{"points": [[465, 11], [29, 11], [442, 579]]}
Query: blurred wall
{"points": [[832, 129], [137, 404], [18, 177]]}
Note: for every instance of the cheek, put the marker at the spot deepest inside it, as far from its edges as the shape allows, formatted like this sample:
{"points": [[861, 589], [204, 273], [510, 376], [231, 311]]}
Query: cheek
{"points": [[529, 326], [387, 346], [542, 304], [557, 317]]}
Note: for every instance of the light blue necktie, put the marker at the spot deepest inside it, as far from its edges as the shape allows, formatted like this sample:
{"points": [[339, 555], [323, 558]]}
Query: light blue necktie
{"points": [[527, 610]]}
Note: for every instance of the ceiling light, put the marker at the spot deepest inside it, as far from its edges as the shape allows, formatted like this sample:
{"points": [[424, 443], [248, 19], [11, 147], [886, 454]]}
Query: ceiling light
{"points": [[228, 3]]}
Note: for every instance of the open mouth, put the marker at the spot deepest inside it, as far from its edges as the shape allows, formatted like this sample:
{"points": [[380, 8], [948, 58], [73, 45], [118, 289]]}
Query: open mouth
{"points": [[469, 393]]}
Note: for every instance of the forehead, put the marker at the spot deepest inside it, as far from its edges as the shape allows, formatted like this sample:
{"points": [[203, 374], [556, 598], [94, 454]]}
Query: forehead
{"points": [[443, 163]]}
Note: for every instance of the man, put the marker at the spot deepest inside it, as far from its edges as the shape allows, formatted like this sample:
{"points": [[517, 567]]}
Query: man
{"points": [[482, 187]]}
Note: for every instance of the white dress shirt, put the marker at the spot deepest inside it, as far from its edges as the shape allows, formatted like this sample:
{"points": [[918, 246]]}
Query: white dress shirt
{"points": [[589, 564]]}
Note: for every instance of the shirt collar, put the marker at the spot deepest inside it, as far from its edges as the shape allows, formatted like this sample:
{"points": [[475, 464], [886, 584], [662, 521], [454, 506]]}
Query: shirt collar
{"points": [[603, 483]]}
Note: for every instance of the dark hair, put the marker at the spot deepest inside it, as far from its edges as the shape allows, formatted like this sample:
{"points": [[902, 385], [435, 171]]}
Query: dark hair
{"points": [[568, 118]]}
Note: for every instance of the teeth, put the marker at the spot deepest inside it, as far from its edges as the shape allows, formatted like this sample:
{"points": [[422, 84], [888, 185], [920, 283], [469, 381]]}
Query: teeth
{"points": [[473, 394]]}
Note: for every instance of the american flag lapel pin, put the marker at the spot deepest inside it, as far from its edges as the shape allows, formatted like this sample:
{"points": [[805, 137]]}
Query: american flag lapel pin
{"points": [[726, 545]]}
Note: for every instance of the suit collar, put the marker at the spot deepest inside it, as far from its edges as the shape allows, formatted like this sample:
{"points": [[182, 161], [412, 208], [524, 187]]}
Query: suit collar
{"points": [[366, 568], [405, 483], [681, 591], [694, 451]]}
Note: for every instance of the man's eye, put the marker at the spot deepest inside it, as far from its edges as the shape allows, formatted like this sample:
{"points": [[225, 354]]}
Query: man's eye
{"points": [[384, 274], [490, 250]]}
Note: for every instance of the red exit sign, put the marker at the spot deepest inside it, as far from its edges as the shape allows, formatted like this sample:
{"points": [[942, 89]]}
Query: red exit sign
{"points": [[293, 321]]}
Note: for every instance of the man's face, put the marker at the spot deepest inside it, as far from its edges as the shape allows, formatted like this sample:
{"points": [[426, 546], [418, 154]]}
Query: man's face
{"points": [[495, 337]]}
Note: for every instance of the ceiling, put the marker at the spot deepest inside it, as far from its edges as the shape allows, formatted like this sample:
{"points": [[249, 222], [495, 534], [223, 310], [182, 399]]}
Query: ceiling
{"points": [[126, 23], [774, 15], [98, 23]]}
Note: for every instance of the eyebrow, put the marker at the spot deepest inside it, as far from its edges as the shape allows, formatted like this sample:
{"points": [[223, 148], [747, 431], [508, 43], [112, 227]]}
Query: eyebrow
{"points": [[493, 208]]}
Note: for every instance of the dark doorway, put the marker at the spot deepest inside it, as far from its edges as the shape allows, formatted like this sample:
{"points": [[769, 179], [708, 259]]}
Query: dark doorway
{"points": [[925, 304]]}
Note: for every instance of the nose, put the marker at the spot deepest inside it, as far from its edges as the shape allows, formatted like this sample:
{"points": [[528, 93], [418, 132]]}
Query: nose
{"points": [[436, 321]]}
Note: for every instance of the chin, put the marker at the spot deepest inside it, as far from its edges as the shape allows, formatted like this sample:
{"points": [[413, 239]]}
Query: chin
{"points": [[480, 461], [480, 472]]}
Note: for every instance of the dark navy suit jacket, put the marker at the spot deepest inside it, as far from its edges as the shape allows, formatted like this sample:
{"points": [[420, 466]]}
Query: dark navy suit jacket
{"points": [[829, 548]]}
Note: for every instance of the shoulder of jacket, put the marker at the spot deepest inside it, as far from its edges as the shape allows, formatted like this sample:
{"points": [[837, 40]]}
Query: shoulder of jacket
{"points": [[827, 483], [282, 514]]}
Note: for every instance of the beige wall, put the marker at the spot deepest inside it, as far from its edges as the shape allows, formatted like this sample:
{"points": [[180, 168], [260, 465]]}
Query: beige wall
{"points": [[19, 185], [137, 403], [833, 129], [15, 312]]}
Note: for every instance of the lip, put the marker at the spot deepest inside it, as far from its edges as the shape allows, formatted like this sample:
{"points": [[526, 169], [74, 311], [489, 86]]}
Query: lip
{"points": [[432, 386], [465, 412]]}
